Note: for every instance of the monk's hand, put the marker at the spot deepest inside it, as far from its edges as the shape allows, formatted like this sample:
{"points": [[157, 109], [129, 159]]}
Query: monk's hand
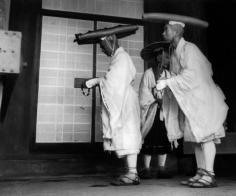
{"points": [[156, 94], [161, 84], [92, 82]]}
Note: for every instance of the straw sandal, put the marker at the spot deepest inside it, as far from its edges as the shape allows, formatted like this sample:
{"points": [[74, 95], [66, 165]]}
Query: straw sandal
{"points": [[195, 178], [203, 182], [125, 180]]}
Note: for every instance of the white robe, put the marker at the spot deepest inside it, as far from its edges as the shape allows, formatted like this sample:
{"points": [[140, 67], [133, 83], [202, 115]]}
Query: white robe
{"points": [[202, 103], [148, 104], [120, 106]]}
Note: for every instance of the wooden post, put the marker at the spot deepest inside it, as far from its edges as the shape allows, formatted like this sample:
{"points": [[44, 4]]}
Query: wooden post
{"points": [[1, 92], [4, 22]]}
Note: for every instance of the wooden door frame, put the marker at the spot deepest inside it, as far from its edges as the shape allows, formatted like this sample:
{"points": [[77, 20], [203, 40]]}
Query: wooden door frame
{"points": [[83, 148]]}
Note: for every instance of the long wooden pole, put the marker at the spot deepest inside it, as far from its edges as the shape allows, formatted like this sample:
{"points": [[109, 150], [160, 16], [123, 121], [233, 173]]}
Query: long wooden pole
{"points": [[1, 92]]}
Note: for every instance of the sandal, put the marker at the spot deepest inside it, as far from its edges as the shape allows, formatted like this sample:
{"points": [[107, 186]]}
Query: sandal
{"points": [[195, 178], [125, 180], [203, 182]]}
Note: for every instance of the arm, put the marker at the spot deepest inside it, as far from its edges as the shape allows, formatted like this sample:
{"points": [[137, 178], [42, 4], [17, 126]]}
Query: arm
{"points": [[189, 76], [92, 82]]}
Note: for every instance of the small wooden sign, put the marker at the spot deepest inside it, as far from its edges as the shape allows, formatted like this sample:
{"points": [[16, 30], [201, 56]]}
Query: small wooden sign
{"points": [[79, 82], [10, 51]]}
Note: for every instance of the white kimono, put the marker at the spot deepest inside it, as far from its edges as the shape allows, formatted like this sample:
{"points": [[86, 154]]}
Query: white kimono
{"points": [[120, 106], [148, 104], [202, 104]]}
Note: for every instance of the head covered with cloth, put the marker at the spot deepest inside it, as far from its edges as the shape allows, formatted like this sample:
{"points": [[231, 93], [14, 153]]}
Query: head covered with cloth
{"points": [[120, 106]]}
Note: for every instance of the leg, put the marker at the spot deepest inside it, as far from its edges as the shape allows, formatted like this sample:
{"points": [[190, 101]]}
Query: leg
{"points": [[207, 180], [162, 161], [131, 177], [131, 160], [145, 173], [199, 155], [162, 173], [209, 152], [147, 160]]}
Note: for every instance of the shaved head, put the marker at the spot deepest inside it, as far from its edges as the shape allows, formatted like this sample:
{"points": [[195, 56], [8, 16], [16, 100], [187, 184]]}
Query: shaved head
{"points": [[178, 29], [173, 32]]}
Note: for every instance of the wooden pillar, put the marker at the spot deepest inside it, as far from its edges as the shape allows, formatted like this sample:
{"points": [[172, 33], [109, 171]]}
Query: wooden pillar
{"points": [[16, 127], [1, 91]]}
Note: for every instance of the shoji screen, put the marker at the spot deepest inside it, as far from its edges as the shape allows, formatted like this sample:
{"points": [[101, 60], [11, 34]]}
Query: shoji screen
{"points": [[63, 114]]}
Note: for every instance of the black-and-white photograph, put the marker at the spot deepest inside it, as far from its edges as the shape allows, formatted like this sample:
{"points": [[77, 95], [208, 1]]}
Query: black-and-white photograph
{"points": [[117, 97]]}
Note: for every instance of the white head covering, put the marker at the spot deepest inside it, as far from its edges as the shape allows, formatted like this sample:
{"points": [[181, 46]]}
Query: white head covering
{"points": [[172, 22]]}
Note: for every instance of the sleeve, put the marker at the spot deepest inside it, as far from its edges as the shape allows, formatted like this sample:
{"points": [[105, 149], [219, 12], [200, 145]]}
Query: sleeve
{"points": [[146, 97], [92, 82], [115, 83], [148, 104], [188, 78]]}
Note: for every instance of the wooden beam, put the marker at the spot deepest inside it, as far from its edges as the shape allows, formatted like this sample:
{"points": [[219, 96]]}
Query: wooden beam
{"points": [[95, 17]]}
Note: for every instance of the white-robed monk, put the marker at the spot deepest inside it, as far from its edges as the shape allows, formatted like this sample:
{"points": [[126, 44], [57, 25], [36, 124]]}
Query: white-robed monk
{"points": [[120, 108], [195, 106]]}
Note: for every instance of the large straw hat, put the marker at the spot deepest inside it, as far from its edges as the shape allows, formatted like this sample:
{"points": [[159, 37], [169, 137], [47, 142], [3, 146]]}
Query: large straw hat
{"points": [[172, 18], [152, 50], [94, 36]]}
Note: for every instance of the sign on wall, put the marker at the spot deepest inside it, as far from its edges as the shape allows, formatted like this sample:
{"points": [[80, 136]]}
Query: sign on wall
{"points": [[10, 51]]}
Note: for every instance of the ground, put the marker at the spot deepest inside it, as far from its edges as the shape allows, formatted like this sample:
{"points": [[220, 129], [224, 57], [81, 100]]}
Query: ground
{"points": [[98, 185]]}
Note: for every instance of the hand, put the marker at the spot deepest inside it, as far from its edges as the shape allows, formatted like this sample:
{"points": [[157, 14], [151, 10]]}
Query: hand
{"points": [[161, 84], [92, 82], [165, 74], [156, 94]]}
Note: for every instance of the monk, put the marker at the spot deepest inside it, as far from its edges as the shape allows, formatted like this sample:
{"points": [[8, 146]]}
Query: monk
{"points": [[194, 106], [120, 108]]}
